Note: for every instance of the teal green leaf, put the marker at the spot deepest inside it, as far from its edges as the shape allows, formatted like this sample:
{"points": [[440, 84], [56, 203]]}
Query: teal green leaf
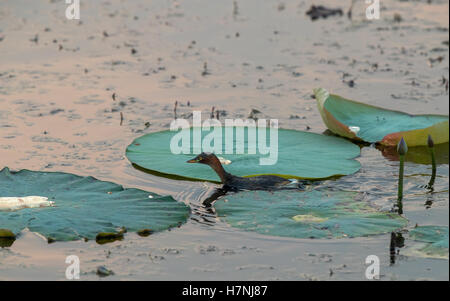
{"points": [[356, 120], [300, 155], [84, 206], [435, 239], [306, 214]]}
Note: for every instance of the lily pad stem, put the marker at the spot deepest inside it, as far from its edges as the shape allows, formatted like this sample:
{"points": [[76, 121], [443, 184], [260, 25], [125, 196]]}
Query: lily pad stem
{"points": [[402, 149], [433, 162]]}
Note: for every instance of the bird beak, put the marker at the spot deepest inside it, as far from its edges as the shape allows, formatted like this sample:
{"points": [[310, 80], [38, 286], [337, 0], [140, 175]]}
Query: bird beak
{"points": [[192, 161]]}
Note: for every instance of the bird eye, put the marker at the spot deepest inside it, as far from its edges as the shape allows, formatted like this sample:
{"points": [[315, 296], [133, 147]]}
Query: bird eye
{"points": [[200, 159]]}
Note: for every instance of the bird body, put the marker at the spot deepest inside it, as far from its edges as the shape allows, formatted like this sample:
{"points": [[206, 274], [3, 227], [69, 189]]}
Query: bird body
{"points": [[232, 182]]}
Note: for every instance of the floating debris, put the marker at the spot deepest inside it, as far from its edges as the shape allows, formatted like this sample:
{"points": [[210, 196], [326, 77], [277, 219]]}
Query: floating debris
{"points": [[205, 69], [351, 83], [17, 203], [316, 12], [102, 271], [398, 18], [432, 61], [354, 129], [35, 39], [56, 111], [224, 161], [145, 232], [253, 114], [107, 237]]}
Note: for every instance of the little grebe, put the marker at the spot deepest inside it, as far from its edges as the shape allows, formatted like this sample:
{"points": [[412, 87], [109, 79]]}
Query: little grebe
{"points": [[229, 181]]}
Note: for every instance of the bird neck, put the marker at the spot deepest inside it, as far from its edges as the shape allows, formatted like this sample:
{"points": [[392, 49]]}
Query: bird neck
{"points": [[220, 171]]}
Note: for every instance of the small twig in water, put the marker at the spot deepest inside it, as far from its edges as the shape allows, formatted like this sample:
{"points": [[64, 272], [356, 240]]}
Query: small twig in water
{"points": [[350, 10], [121, 118], [175, 109], [235, 10], [445, 83], [205, 69]]}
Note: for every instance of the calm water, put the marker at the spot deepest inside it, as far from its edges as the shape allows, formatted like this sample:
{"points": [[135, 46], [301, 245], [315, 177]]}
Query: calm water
{"points": [[57, 114]]}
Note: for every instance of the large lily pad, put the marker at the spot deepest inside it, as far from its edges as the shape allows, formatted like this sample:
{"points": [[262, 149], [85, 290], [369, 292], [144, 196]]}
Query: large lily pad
{"points": [[300, 155], [306, 214], [84, 206], [372, 124], [434, 239]]}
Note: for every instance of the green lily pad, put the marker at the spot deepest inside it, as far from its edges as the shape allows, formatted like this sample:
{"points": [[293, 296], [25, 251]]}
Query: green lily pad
{"points": [[84, 206], [372, 124], [300, 155], [435, 239], [306, 214]]}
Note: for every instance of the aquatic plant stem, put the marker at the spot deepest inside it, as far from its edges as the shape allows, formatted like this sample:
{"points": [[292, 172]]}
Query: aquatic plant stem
{"points": [[402, 149], [400, 185], [392, 249], [433, 162]]}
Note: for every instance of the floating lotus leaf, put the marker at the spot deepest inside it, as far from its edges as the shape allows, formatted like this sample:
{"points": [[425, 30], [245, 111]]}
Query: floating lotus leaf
{"points": [[435, 239], [372, 124], [306, 214], [84, 206], [300, 155]]}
